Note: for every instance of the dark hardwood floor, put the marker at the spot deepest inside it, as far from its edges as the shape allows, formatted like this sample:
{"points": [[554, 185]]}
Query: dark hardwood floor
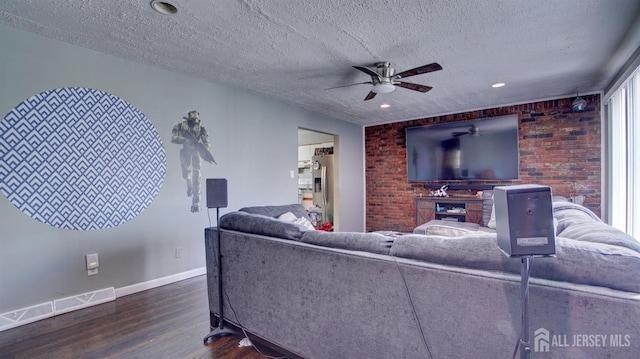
{"points": [[165, 322]]}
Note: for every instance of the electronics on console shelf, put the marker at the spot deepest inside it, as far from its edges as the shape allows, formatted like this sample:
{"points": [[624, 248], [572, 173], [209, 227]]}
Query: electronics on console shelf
{"points": [[456, 210], [441, 208]]}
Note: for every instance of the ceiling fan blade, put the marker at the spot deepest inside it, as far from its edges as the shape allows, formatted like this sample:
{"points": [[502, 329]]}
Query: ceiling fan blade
{"points": [[420, 70], [414, 87], [359, 83], [367, 71], [370, 96]]}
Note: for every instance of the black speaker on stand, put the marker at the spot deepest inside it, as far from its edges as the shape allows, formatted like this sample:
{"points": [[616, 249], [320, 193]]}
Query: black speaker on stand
{"points": [[524, 225], [217, 198]]}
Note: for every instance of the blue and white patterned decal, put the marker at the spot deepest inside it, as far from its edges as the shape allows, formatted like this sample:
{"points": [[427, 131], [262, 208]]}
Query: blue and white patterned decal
{"points": [[79, 158]]}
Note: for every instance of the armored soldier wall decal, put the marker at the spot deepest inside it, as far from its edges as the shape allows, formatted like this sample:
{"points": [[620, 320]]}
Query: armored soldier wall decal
{"points": [[195, 143]]}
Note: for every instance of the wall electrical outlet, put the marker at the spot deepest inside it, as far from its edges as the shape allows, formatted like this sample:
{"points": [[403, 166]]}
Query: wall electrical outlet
{"points": [[178, 252]]}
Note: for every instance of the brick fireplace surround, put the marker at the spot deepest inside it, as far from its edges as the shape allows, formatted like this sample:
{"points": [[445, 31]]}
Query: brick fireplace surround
{"points": [[558, 147]]}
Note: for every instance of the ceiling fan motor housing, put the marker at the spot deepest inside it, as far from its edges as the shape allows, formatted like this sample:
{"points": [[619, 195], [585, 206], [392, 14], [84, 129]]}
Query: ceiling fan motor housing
{"points": [[385, 70], [383, 83], [385, 79]]}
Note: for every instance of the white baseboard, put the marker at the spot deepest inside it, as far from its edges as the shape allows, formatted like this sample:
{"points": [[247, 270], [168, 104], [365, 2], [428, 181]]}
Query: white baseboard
{"points": [[50, 309], [27, 315], [70, 304], [139, 287]]}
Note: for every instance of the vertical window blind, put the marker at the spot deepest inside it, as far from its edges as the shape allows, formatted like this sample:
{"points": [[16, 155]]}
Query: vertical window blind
{"points": [[623, 148]]}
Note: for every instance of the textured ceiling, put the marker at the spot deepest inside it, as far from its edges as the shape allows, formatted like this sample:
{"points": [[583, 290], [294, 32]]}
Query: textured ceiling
{"points": [[293, 50]]}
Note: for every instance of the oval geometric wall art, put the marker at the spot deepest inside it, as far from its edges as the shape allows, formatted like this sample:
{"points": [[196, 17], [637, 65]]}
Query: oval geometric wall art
{"points": [[79, 158]]}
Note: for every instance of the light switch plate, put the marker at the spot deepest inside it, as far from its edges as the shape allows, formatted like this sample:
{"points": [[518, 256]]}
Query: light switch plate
{"points": [[92, 261]]}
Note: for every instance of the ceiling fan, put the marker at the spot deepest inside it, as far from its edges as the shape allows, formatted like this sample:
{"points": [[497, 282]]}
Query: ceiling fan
{"points": [[384, 79], [473, 131]]}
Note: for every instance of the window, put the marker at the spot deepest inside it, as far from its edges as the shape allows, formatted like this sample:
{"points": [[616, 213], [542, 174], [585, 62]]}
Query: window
{"points": [[623, 174]]}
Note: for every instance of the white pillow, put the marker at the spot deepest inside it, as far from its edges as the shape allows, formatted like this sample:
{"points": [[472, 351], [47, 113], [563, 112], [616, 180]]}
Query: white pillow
{"points": [[287, 217], [492, 220], [290, 217], [305, 223]]}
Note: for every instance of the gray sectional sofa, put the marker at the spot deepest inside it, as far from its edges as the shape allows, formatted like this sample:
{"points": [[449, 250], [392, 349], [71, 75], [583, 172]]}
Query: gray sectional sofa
{"points": [[393, 295]]}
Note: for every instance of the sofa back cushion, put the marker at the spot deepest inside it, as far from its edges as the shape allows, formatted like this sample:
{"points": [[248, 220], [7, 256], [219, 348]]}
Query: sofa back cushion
{"points": [[477, 250], [591, 263], [576, 261], [261, 224], [599, 232], [368, 242], [278, 210], [581, 224]]}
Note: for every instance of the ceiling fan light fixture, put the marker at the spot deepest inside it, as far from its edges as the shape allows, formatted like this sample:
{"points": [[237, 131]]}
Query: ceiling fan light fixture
{"points": [[383, 88]]}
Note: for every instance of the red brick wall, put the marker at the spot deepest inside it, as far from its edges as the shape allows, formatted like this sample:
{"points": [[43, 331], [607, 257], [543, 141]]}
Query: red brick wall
{"points": [[558, 147]]}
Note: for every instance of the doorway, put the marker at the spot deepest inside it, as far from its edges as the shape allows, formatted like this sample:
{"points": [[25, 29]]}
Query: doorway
{"points": [[317, 176]]}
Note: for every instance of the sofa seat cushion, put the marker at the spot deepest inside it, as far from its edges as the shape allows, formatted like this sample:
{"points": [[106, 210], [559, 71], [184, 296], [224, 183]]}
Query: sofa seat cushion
{"points": [[446, 228], [367, 242], [261, 224], [575, 261]]}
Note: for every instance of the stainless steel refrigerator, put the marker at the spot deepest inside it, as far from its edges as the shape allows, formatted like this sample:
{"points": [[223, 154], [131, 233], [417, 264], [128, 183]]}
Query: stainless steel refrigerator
{"points": [[322, 173]]}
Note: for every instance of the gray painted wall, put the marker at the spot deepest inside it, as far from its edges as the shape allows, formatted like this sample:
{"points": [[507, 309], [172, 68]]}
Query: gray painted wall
{"points": [[253, 139]]}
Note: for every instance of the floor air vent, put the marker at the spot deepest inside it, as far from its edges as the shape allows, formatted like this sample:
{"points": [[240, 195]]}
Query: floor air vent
{"points": [[80, 301], [26, 315]]}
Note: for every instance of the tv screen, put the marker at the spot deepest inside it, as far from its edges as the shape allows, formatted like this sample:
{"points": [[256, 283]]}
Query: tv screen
{"points": [[484, 149]]}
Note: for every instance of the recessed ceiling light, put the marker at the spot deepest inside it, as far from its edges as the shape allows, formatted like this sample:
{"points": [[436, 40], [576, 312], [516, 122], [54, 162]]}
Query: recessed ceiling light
{"points": [[498, 84], [385, 105], [164, 7]]}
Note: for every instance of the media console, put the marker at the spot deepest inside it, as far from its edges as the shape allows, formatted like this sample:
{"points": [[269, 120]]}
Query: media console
{"points": [[460, 209]]}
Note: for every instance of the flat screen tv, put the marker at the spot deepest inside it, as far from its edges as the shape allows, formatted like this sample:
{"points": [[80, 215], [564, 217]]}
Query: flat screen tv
{"points": [[479, 150]]}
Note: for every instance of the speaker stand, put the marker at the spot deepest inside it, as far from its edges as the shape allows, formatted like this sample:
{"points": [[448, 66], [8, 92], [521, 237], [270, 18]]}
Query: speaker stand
{"points": [[220, 331], [525, 272]]}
